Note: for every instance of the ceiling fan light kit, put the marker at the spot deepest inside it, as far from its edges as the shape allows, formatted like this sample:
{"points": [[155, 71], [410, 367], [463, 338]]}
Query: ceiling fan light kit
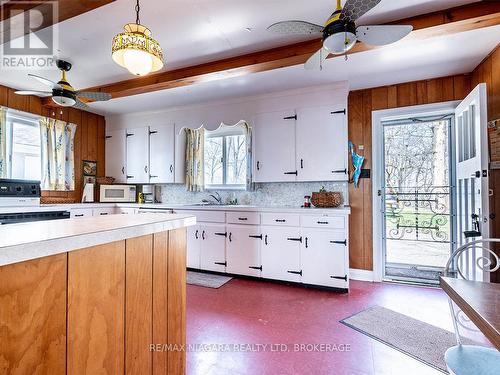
{"points": [[340, 32], [136, 50]]}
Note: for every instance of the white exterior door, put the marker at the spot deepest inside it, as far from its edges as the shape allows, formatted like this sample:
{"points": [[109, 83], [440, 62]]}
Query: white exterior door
{"points": [[161, 154], [281, 253], [243, 250], [324, 258], [194, 247], [213, 247], [138, 155], [274, 139], [322, 144], [472, 177], [116, 155]]}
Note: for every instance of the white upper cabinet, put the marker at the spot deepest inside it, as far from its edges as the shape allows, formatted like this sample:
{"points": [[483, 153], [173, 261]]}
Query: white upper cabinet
{"points": [[116, 155], [138, 155], [161, 154], [321, 144], [274, 140]]}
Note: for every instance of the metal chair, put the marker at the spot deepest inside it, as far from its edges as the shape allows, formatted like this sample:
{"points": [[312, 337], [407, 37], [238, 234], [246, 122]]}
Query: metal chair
{"points": [[471, 359]]}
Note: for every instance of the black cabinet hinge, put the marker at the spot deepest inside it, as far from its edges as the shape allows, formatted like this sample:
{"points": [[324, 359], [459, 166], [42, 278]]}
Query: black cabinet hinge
{"points": [[338, 112], [255, 268], [340, 242], [109, 136], [344, 171], [129, 134], [221, 263], [153, 132], [255, 236], [294, 117], [295, 239], [295, 272], [339, 277], [221, 234], [296, 173]]}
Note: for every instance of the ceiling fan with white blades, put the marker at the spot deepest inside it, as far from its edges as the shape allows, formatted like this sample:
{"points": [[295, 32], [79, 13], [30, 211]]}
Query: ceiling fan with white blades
{"points": [[62, 92], [340, 32]]}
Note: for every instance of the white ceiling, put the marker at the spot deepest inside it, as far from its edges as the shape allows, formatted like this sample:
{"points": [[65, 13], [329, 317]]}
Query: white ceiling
{"points": [[197, 31]]}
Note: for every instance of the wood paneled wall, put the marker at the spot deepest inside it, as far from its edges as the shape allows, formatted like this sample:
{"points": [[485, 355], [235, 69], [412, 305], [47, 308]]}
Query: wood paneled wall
{"points": [[89, 137], [361, 105]]}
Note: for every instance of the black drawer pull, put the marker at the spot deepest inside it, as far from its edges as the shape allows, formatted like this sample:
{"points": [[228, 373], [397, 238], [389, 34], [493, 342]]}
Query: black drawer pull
{"points": [[203, 234], [221, 263], [103, 213], [258, 165], [243, 218], [256, 268], [255, 236], [196, 234], [295, 239], [221, 234], [80, 215], [339, 277], [230, 237], [295, 173], [307, 242], [265, 239], [340, 242], [280, 220], [296, 272], [323, 222]]}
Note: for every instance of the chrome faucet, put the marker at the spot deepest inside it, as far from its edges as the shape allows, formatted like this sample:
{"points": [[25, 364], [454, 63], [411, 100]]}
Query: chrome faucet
{"points": [[216, 197]]}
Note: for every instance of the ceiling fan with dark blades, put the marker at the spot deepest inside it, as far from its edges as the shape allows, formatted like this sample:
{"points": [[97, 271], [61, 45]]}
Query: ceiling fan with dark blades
{"points": [[63, 93], [340, 32]]}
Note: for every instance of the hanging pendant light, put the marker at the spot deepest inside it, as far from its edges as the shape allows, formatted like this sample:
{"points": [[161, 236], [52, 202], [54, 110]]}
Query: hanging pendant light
{"points": [[136, 50]]}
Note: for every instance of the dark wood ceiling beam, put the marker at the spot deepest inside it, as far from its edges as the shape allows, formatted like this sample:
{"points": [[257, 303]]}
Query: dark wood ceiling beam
{"points": [[446, 22]]}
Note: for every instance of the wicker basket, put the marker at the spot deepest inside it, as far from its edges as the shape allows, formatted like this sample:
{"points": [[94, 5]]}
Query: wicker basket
{"points": [[105, 180], [330, 199]]}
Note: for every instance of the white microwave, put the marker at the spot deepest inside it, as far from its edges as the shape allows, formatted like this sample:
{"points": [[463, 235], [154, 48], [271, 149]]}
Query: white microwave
{"points": [[117, 194]]}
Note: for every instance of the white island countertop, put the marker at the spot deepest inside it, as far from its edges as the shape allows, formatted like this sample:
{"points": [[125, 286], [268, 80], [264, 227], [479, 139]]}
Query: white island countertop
{"points": [[27, 241]]}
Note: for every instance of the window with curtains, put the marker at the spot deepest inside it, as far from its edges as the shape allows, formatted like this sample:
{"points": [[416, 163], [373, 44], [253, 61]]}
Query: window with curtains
{"points": [[22, 144], [225, 158]]}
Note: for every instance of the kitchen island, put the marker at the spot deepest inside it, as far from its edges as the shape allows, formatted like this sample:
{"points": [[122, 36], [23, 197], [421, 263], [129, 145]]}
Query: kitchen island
{"points": [[94, 295]]}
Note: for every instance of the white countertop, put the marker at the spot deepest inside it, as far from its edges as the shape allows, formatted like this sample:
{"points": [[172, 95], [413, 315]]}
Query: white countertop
{"points": [[26, 241]]}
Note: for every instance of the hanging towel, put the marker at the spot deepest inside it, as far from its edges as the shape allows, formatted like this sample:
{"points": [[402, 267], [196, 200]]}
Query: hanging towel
{"points": [[357, 163]]}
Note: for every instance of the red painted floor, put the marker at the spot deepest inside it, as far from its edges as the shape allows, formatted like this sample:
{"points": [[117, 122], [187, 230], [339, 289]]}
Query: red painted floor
{"points": [[252, 312]]}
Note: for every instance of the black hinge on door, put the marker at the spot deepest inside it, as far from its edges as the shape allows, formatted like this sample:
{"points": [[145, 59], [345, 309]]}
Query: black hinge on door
{"points": [[109, 136], [221, 234], [153, 132], [296, 272], [295, 173], [129, 134], [339, 277], [340, 242], [295, 239], [255, 268], [255, 236], [221, 263], [337, 112], [344, 171], [290, 117]]}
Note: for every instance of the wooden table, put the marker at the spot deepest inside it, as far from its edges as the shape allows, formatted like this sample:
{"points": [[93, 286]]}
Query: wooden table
{"points": [[479, 301]]}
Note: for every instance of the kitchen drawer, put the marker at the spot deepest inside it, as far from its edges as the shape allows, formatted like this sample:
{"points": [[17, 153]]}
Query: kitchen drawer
{"points": [[127, 211], [103, 211], [280, 219], [205, 216], [319, 221], [81, 212], [243, 218]]}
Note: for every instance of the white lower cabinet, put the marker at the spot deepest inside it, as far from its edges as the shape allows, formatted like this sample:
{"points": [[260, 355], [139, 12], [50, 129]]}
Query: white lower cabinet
{"points": [[213, 247], [324, 258], [243, 246], [281, 253], [194, 247]]}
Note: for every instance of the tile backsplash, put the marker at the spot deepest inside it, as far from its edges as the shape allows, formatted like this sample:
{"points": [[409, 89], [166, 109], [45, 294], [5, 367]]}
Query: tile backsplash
{"points": [[265, 194]]}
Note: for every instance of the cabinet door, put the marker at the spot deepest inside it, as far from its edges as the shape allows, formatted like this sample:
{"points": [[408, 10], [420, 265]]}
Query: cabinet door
{"points": [[116, 155], [138, 155], [324, 258], [281, 253], [274, 139], [193, 247], [161, 154], [243, 250], [213, 247], [321, 144]]}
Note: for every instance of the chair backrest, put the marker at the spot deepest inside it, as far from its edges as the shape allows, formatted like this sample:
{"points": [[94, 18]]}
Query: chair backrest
{"points": [[474, 260]]}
